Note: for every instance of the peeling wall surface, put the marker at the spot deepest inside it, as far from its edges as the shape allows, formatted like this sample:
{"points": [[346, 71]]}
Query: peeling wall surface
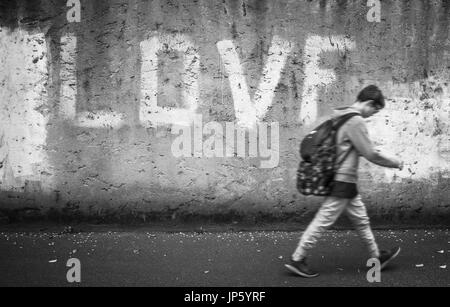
{"points": [[196, 108]]}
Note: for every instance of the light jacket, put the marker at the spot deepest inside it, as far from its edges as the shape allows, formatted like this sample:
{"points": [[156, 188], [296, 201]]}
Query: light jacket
{"points": [[354, 137]]}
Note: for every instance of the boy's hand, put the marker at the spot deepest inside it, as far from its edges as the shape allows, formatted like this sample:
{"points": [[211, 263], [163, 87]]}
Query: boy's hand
{"points": [[400, 165]]}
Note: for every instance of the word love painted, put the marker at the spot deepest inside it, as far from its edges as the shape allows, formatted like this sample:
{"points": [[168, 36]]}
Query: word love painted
{"points": [[248, 110]]}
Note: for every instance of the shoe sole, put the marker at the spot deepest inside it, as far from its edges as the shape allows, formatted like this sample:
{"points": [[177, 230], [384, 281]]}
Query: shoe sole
{"points": [[390, 259], [298, 272]]}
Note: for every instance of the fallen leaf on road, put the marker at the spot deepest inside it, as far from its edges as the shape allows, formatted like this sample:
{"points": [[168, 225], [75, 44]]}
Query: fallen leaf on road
{"points": [[52, 261], [419, 265], [443, 266], [281, 257], [206, 272], [339, 269], [441, 251]]}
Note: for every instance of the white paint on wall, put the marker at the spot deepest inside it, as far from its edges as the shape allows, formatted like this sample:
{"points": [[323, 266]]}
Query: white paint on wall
{"points": [[250, 111], [23, 98], [316, 77], [415, 130], [99, 119], [150, 114], [68, 77]]}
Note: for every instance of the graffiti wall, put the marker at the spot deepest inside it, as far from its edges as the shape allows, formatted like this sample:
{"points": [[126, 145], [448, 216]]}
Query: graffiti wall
{"points": [[194, 108]]}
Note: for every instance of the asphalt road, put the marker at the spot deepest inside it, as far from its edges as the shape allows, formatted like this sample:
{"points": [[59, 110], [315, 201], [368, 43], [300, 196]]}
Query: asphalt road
{"points": [[141, 257]]}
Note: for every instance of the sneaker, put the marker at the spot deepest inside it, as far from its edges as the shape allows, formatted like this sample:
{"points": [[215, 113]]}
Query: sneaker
{"points": [[387, 256], [301, 268]]}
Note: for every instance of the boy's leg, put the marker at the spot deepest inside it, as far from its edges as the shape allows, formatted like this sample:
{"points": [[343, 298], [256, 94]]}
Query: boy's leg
{"points": [[325, 217], [356, 211]]}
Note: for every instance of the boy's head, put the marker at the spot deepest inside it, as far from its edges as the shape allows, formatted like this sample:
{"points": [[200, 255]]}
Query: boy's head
{"points": [[370, 100]]}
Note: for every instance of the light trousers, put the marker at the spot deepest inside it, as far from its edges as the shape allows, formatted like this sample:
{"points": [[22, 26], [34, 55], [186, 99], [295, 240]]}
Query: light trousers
{"points": [[327, 215]]}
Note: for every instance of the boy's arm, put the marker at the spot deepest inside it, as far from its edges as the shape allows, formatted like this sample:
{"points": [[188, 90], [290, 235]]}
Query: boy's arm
{"points": [[359, 136]]}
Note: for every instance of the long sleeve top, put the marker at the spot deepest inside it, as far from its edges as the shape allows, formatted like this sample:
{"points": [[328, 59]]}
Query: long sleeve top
{"points": [[353, 136]]}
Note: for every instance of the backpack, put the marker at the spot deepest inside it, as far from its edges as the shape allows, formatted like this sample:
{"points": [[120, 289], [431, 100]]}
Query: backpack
{"points": [[318, 151]]}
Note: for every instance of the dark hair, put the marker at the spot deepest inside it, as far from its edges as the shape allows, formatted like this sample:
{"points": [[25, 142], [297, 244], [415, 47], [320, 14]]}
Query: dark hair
{"points": [[372, 92]]}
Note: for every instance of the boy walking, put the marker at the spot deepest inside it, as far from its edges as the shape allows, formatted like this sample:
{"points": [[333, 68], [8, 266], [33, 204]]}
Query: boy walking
{"points": [[352, 141]]}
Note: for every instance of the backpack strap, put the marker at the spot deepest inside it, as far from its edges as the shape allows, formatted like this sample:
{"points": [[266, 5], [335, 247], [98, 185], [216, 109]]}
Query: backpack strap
{"points": [[340, 122]]}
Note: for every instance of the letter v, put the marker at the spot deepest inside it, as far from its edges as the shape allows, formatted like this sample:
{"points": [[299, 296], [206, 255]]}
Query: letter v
{"points": [[248, 112]]}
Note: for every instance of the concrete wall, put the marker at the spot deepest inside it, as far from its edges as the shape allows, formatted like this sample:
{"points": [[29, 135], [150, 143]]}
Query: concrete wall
{"points": [[95, 115]]}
